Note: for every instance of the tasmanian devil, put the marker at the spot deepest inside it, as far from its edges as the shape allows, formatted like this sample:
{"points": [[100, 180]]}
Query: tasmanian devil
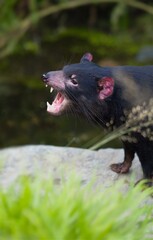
{"points": [[108, 95]]}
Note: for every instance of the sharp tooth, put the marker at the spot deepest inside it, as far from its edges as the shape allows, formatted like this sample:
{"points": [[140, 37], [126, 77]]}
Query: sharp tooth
{"points": [[51, 89], [48, 104]]}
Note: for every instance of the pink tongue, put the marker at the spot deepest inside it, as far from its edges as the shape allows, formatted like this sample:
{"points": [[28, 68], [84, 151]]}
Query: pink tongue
{"points": [[59, 99], [56, 105]]}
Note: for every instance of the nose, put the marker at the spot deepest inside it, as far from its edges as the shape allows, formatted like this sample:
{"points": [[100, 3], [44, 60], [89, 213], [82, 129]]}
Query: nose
{"points": [[45, 77]]}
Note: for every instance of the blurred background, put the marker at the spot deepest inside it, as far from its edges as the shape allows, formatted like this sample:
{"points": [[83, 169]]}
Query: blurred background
{"points": [[41, 35]]}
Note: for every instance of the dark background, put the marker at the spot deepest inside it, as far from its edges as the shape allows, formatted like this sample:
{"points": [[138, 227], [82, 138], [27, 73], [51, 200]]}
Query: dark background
{"points": [[37, 36]]}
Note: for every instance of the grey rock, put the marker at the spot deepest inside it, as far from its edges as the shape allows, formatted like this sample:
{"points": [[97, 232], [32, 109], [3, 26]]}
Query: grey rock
{"points": [[62, 162]]}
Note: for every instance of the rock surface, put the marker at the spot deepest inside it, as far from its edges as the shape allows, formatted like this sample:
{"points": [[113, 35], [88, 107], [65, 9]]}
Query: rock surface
{"points": [[62, 162]]}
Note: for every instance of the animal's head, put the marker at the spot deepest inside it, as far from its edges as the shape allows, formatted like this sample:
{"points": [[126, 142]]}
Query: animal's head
{"points": [[80, 87]]}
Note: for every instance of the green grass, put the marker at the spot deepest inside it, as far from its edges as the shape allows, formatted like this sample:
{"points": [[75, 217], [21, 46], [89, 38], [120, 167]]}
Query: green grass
{"points": [[38, 209]]}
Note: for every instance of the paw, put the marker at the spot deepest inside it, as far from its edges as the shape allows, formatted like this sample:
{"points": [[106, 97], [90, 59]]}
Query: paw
{"points": [[120, 167]]}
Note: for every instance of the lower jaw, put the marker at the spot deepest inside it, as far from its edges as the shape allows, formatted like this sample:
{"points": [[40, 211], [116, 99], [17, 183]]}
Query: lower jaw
{"points": [[56, 109], [53, 109]]}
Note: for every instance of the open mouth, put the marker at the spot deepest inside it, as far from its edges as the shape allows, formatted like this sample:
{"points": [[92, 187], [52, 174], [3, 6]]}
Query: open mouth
{"points": [[58, 105]]}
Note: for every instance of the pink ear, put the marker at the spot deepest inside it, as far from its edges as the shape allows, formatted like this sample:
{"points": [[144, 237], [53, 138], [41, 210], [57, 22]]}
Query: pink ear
{"points": [[87, 57], [105, 87]]}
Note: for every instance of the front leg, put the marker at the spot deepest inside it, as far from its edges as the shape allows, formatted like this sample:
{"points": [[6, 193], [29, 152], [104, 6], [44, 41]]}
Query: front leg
{"points": [[128, 158]]}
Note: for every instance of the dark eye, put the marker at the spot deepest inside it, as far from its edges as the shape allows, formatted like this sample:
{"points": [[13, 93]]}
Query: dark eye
{"points": [[73, 79]]}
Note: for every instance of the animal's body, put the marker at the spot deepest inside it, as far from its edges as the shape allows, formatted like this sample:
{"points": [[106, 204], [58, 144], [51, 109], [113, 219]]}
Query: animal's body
{"points": [[103, 95]]}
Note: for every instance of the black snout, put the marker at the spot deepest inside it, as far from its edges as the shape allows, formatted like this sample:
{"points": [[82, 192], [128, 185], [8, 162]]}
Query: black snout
{"points": [[45, 77]]}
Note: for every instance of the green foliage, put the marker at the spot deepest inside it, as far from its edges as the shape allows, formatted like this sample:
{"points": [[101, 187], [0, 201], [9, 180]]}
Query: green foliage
{"points": [[103, 45], [120, 17], [20, 17], [8, 17], [38, 209]]}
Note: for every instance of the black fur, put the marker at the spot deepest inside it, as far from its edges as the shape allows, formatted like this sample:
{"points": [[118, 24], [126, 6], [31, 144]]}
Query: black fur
{"points": [[132, 86]]}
